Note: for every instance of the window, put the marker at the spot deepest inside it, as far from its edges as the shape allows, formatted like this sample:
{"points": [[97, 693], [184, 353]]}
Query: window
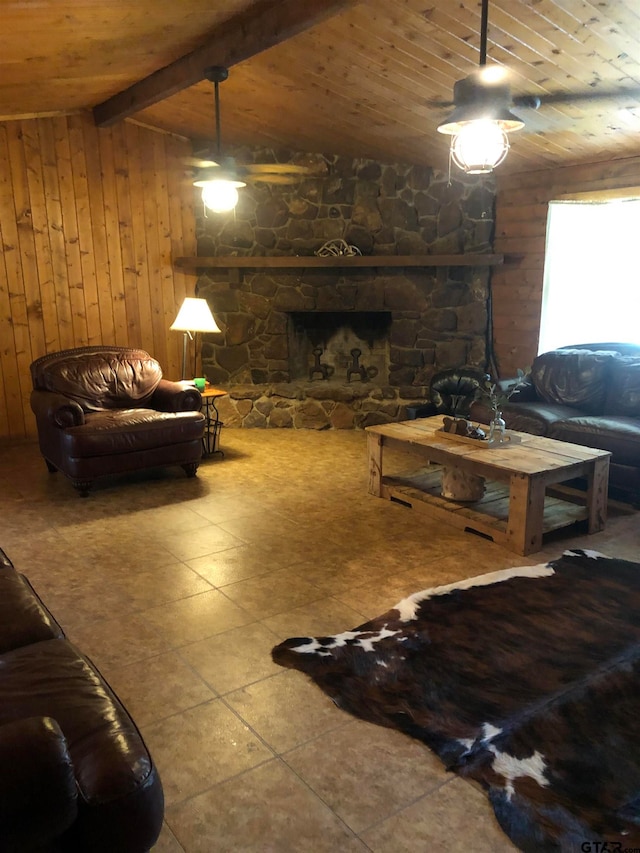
{"points": [[591, 290]]}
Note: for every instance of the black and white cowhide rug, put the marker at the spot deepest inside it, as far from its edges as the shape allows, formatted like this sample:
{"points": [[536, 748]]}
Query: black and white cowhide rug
{"points": [[526, 680]]}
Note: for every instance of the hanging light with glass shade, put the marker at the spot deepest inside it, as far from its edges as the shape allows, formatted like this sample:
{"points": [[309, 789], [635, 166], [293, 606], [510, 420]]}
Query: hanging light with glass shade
{"points": [[220, 180], [481, 119]]}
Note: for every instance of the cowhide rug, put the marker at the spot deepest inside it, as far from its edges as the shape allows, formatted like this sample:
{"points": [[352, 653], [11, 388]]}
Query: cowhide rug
{"points": [[526, 680]]}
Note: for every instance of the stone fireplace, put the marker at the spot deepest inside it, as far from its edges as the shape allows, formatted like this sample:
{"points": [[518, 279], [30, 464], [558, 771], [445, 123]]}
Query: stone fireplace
{"points": [[344, 347]]}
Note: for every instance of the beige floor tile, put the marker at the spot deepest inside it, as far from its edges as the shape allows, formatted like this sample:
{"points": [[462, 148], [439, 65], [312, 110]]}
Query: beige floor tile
{"points": [[456, 817], [235, 564], [78, 603], [167, 842], [233, 659], [287, 710], [366, 772], [277, 592], [147, 587], [207, 539], [268, 810], [191, 619], [158, 687], [326, 616], [119, 641], [200, 747]]}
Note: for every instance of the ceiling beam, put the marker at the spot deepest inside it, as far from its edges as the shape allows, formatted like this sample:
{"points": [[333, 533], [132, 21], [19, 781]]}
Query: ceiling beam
{"points": [[264, 25]]}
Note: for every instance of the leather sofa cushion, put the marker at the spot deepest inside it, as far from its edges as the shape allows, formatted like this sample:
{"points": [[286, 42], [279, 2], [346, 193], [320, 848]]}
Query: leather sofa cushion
{"points": [[533, 418], [23, 617], [104, 380], [130, 430], [619, 435], [623, 396], [574, 377]]}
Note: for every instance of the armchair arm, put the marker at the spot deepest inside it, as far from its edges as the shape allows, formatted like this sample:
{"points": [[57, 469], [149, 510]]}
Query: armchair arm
{"points": [[176, 397], [57, 409], [38, 797]]}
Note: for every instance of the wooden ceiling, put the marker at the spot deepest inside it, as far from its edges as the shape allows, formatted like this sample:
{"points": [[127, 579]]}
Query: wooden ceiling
{"points": [[333, 76]]}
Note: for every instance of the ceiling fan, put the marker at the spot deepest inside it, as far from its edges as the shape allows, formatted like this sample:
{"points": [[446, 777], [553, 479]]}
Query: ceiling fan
{"points": [[482, 101], [220, 175]]}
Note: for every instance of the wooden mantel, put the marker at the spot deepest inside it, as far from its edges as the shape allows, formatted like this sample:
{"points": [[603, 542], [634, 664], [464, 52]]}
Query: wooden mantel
{"points": [[344, 261]]}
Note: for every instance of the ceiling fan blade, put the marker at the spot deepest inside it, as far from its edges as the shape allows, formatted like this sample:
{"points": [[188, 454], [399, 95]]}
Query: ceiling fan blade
{"points": [[564, 97], [199, 162], [440, 105], [271, 178], [276, 168]]}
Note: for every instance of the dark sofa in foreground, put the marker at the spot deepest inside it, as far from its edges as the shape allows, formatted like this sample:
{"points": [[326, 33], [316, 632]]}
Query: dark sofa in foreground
{"points": [[587, 394], [75, 774]]}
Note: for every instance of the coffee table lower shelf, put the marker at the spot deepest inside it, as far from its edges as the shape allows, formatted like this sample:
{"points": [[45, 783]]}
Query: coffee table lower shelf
{"points": [[488, 516]]}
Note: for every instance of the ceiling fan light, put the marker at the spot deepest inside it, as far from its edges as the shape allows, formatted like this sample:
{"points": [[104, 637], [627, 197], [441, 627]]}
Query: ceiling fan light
{"points": [[479, 147], [219, 196]]}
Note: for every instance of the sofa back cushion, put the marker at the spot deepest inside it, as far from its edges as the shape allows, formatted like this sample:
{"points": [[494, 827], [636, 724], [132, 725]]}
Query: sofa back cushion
{"points": [[623, 395], [100, 378], [574, 377]]}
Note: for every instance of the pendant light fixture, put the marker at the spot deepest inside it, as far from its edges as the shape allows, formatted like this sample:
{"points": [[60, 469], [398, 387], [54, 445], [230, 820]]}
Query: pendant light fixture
{"points": [[481, 120], [220, 182]]}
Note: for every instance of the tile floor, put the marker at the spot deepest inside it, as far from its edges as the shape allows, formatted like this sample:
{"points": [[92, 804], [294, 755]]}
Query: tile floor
{"points": [[178, 589]]}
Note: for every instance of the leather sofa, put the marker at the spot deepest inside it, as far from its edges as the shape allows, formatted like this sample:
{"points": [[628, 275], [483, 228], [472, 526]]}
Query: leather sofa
{"points": [[107, 410], [75, 774], [587, 394]]}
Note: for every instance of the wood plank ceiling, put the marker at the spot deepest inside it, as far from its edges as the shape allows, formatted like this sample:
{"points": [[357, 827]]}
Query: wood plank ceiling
{"points": [[336, 77]]}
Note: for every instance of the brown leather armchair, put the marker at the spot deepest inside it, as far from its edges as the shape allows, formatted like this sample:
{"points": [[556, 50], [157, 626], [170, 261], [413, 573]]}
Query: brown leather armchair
{"points": [[107, 410]]}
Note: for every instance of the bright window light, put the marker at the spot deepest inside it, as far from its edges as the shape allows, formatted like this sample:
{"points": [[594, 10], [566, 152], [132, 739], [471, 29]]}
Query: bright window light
{"points": [[591, 290]]}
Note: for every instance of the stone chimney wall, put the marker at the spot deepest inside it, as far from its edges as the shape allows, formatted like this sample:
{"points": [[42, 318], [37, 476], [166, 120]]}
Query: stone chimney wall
{"points": [[439, 314]]}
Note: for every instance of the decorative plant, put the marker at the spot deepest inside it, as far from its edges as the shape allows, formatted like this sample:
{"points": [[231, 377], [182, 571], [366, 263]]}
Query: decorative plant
{"points": [[498, 396]]}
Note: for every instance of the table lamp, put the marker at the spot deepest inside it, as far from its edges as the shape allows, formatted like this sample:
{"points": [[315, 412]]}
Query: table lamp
{"points": [[194, 316]]}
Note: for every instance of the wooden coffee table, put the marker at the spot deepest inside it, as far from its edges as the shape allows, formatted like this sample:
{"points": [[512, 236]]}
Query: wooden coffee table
{"points": [[517, 507]]}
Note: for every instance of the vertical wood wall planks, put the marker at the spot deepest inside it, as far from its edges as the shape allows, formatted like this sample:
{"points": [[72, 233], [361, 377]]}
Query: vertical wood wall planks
{"points": [[89, 222]]}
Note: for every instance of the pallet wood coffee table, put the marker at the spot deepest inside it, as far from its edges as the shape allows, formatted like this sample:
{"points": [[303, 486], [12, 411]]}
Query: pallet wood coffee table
{"points": [[516, 509]]}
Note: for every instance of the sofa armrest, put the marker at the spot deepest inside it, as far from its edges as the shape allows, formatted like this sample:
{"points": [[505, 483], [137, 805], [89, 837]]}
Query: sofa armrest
{"points": [[180, 396], [38, 796], [56, 409]]}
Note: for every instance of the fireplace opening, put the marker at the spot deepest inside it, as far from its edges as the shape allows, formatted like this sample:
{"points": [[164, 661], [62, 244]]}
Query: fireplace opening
{"points": [[339, 346]]}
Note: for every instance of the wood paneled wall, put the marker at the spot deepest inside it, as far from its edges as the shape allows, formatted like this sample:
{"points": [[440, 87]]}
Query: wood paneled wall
{"points": [[521, 219], [89, 222]]}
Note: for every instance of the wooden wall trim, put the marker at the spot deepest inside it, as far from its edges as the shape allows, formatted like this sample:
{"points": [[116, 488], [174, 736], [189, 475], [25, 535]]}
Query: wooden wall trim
{"points": [[89, 222]]}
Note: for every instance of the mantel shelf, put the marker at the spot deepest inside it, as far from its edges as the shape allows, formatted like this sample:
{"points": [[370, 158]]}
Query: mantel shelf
{"points": [[343, 261]]}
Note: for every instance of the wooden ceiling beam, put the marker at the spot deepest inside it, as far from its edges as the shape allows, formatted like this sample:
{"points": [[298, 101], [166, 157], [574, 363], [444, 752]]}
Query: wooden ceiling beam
{"points": [[262, 26]]}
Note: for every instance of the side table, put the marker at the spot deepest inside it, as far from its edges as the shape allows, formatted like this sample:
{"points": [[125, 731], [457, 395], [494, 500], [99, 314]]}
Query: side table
{"points": [[211, 437]]}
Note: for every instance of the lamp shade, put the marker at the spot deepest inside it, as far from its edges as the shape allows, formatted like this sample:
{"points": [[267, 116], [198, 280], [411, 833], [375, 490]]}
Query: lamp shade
{"points": [[195, 316]]}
